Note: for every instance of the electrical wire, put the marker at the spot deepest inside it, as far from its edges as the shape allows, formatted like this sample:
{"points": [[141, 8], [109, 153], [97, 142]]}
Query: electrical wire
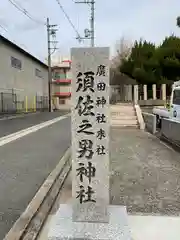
{"points": [[54, 48], [12, 37], [19, 7], [25, 12], [69, 20], [1, 26]]}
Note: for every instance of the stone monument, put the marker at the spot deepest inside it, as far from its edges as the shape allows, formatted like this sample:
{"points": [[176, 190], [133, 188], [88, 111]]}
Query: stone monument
{"points": [[90, 216]]}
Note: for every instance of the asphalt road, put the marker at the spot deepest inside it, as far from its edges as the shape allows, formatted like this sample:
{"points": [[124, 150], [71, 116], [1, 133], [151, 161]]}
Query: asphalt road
{"points": [[9, 126], [24, 166]]}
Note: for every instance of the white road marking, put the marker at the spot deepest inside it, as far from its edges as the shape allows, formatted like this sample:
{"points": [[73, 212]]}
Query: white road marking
{"points": [[14, 136]]}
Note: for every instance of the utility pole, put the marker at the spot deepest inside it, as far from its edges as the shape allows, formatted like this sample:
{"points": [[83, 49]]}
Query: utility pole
{"points": [[89, 34], [50, 32], [92, 23], [178, 21]]}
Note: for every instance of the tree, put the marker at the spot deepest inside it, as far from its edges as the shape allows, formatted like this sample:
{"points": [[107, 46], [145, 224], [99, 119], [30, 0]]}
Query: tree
{"points": [[123, 50], [168, 55], [141, 64], [150, 64]]}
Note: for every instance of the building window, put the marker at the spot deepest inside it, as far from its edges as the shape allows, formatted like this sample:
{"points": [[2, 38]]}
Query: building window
{"points": [[38, 73], [176, 97], [58, 75], [62, 101], [16, 63]]}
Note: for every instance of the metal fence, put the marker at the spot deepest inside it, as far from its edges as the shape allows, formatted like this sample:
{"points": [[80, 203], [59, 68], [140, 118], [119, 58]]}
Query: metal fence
{"points": [[12, 103], [41, 103], [8, 103]]}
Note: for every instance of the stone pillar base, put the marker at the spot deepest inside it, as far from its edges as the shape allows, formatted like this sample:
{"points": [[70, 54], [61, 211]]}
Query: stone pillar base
{"points": [[63, 227]]}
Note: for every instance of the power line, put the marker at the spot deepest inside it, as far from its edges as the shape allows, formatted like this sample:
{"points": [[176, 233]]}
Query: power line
{"points": [[69, 20], [1, 26], [12, 38], [6, 30], [25, 12]]}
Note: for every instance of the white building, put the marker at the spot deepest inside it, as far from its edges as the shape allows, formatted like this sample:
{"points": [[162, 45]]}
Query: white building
{"points": [[21, 71]]}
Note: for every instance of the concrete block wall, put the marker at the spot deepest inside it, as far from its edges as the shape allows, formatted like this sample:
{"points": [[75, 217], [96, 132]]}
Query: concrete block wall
{"points": [[150, 122], [170, 129], [151, 102]]}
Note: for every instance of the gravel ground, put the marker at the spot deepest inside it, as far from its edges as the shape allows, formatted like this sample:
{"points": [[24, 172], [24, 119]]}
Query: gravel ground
{"points": [[145, 174]]}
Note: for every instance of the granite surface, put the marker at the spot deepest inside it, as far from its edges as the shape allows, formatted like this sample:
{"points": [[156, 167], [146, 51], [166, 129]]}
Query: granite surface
{"points": [[171, 130], [63, 227], [88, 158]]}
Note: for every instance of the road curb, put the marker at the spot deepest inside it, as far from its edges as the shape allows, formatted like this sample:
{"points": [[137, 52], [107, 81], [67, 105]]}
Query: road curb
{"points": [[38, 209]]}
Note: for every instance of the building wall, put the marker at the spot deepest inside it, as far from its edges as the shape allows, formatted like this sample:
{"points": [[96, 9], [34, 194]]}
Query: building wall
{"points": [[61, 72], [24, 80], [69, 75], [59, 88]]}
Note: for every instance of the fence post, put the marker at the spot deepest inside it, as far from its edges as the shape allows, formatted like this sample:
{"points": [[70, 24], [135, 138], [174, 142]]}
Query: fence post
{"points": [[15, 101], [26, 104], [129, 93], [145, 91], [154, 91], [163, 88], [41, 103], [125, 93], [136, 94], [34, 103], [2, 103]]}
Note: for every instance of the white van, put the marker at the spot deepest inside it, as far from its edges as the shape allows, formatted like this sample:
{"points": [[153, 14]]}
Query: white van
{"points": [[175, 103], [174, 109]]}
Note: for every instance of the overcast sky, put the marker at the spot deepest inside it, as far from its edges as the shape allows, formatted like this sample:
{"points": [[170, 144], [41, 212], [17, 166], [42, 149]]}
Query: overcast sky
{"points": [[132, 19]]}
